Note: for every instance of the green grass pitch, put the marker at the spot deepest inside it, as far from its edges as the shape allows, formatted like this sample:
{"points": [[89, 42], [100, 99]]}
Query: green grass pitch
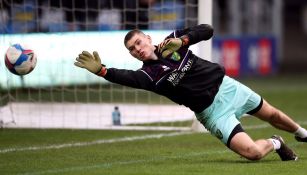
{"points": [[71, 152]]}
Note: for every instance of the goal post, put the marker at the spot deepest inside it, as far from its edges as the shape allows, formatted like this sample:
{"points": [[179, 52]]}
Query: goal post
{"points": [[57, 94], [205, 17], [205, 48]]}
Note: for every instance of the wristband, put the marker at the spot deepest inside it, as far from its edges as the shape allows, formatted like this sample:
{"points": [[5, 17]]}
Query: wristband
{"points": [[102, 72], [185, 40]]}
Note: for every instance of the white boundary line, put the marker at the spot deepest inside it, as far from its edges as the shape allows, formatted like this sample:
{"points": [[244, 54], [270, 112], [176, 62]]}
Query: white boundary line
{"points": [[124, 139], [107, 165], [96, 142]]}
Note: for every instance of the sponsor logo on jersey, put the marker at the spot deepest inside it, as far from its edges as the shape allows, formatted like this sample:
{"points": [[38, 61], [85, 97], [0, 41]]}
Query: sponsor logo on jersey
{"points": [[176, 76]]}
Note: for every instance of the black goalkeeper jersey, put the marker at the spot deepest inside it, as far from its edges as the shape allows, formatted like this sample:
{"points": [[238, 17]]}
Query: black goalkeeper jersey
{"points": [[182, 77]]}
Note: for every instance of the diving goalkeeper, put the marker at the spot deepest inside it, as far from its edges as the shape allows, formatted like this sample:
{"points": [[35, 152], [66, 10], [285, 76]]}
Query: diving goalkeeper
{"points": [[218, 101]]}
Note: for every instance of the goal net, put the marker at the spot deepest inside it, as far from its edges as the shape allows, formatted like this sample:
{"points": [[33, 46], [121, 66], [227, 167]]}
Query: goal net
{"points": [[56, 94]]}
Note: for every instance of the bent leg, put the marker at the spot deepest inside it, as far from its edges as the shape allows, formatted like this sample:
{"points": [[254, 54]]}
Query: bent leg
{"points": [[242, 144], [276, 118]]}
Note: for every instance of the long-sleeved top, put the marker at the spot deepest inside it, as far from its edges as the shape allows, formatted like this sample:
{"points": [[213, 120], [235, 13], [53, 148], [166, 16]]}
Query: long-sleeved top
{"points": [[182, 76]]}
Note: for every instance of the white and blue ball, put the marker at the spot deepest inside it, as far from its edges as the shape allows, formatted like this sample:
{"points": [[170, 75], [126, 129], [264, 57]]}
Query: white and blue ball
{"points": [[19, 59]]}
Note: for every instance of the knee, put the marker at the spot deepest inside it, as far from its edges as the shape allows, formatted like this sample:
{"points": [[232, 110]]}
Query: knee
{"points": [[253, 153]]}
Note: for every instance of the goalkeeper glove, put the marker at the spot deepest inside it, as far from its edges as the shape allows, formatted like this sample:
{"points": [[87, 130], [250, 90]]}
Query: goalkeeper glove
{"points": [[171, 45], [91, 62]]}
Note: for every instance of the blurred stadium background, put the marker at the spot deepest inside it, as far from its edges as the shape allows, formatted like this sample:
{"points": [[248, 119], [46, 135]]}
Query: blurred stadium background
{"points": [[252, 39], [260, 42]]}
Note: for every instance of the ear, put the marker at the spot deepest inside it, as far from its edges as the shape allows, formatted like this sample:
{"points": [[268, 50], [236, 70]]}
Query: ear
{"points": [[149, 38]]}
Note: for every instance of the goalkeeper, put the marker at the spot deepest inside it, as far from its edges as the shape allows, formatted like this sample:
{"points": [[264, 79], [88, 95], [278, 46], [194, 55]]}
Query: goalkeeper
{"points": [[218, 101]]}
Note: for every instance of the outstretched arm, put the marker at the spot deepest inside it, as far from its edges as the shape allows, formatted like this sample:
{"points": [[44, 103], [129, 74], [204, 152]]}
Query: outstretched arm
{"points": [[135, 79], [195, 34], [185, 38]]}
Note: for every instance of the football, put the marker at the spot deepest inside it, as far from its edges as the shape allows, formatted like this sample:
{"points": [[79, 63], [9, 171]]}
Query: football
{"points": [[19, 59]]}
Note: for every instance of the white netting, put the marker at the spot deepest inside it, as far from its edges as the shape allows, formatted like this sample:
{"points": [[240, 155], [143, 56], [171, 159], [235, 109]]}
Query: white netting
{"points": [[59, 95]]}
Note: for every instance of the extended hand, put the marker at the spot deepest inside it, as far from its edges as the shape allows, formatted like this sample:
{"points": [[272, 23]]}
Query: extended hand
{"points": [[169, 46], [88, 61]]}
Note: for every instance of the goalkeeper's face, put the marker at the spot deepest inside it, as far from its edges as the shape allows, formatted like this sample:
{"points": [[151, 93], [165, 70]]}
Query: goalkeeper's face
{"points": [[140, 46]]}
